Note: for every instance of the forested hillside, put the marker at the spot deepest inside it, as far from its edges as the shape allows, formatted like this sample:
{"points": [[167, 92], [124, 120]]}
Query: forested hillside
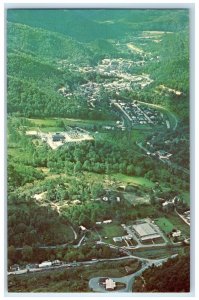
{"points": [[113, 23], [98, 145], [37, 47], [172, 277]]}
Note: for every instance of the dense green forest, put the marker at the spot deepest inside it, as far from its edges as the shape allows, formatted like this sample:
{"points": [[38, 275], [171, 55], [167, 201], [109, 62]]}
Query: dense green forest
{"points": [[36, 45], [122, 21], [174, 274]]}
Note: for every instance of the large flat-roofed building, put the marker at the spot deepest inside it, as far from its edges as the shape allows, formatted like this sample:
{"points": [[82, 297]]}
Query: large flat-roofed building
{"points": [[145, 231]]}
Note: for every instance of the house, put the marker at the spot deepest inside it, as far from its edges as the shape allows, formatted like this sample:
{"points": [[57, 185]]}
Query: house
{"points": [[110, 284], [98, 223], [176, 233], [107, 221], [82, 228], [105, 199], [32, 133], [127, 237], [175, 200], [14, 267], [163, 154], [167, 206], [117, 239]]}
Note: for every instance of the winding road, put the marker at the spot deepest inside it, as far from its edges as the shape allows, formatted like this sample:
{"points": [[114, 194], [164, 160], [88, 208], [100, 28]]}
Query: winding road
{"points": [[95, 286]]}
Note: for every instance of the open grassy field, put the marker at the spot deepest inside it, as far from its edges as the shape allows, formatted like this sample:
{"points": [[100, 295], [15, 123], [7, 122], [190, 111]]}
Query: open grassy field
{"points": [[134, 180], [164, 224], [123, 179], [52, 122], [179, 224], [109, 231], [135, 200], [156, 252], [173, 221]]}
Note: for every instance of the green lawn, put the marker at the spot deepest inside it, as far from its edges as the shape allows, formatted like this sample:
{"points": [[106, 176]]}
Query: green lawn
{"points": [[164, 224], [52, 122], [110, 231], [179, 224], [44, 122], [134, 180], [173, 221]]}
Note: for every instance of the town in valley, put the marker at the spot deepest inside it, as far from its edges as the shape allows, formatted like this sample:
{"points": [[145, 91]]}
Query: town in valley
{"points": [[98, 151]]}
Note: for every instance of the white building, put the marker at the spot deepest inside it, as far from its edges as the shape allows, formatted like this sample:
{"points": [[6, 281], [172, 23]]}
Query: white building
{"points": [[117, 239], [107, 221], [110, 284], [176, 233]]}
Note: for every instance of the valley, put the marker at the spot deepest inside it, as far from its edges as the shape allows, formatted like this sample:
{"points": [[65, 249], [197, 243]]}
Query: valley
{"points": [[98, 149]]}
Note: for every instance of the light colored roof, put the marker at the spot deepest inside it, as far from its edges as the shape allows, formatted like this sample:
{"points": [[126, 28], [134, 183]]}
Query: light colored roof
{"points": [[144, 229], [31, 132], [82, 227], [117, 239], [150, 237], [176, 233], [110, 284]]}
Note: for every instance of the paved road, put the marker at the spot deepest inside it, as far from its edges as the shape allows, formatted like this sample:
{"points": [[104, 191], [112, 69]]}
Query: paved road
{"points": [[128, 280], [75, 234], [163, 108], [165, 161], [86, 263], [182, 217], [79, 244]]}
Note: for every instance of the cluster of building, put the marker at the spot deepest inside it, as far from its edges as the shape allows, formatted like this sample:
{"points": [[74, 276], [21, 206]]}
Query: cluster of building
{"points": [[138, 233], [169, 90], [103, 222], [139, 114], [116, 74], [162, 154], [57, 139], [16, 269], [169, 205], [46, 264]]}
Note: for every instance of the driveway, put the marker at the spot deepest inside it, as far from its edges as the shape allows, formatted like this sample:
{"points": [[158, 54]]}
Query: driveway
{"points": [[128, 280]]}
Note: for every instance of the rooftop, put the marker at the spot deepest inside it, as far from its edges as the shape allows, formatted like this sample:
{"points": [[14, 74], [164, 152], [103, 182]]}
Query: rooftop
{"points": [[110, 284], [144, 230]]}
